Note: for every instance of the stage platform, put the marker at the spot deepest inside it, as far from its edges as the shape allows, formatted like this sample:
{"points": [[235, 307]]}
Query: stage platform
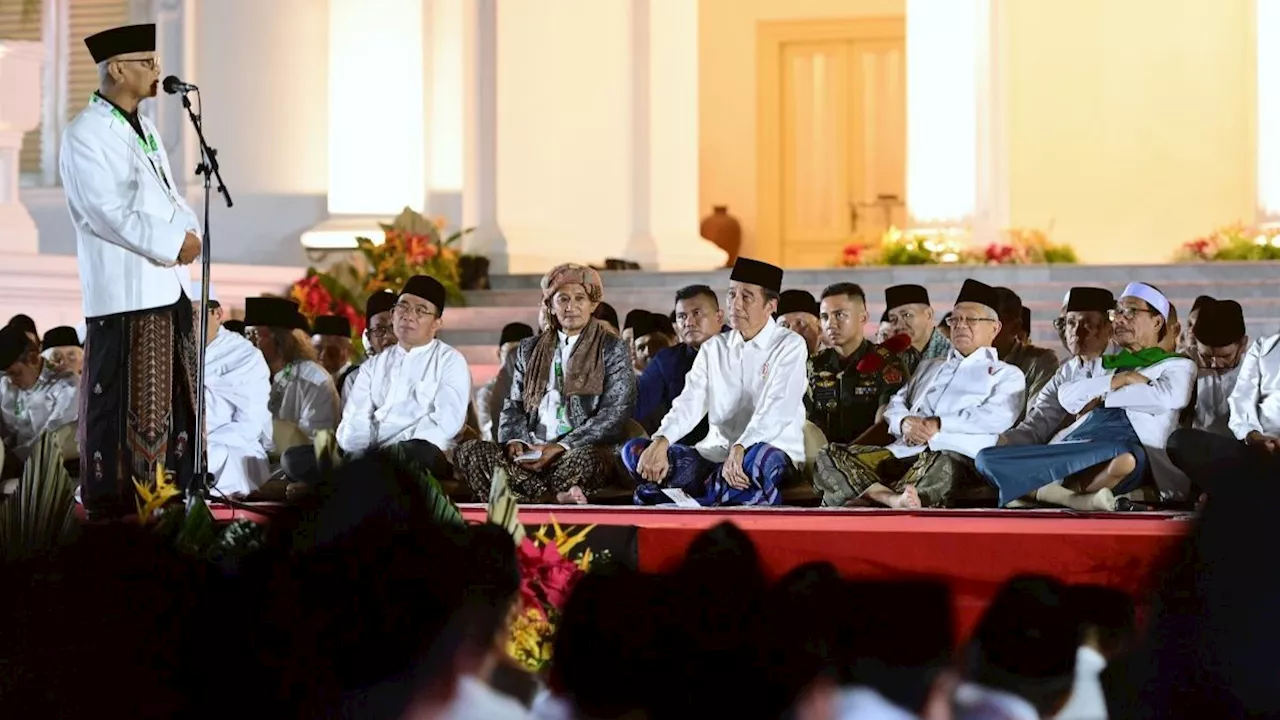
{"points": [[973, 551]]}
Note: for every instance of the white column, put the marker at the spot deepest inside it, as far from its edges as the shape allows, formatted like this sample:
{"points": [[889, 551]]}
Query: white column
{"points": [[445, 101], [955, 166], [1267, 24], [19, 112], [480, 136], [377, 87], [597, 133]]}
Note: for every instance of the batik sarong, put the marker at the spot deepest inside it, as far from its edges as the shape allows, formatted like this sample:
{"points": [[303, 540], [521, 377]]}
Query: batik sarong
{"points": [[766, 466], [137, 402], [1019, 470], [845, 472], [589, 467]]}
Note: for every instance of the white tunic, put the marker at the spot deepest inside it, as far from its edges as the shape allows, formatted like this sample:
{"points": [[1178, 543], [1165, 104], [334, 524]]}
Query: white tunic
{"points": [[750, 391], [303, 394], [1045, 414], [237, 386], [399, 395], [1152, 410], [976, 398], [49, 405], [1213, 389], [130, 222], [1255, 401]]}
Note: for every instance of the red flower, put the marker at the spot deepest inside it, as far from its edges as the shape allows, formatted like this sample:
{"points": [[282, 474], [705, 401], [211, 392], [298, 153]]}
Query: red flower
{"points": [[546, 577], [897, 343]]}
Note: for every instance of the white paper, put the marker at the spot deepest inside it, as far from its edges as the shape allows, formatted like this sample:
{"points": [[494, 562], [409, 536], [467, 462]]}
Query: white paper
{"points": [[529, 456], [680, 498]]}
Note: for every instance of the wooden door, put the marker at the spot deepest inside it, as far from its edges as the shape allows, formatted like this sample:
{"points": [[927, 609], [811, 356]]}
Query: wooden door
{"points": [[832, 137]]}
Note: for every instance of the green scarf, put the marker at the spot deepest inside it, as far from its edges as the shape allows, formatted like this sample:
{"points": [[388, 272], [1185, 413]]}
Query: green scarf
{"points": [[1128, 360]]}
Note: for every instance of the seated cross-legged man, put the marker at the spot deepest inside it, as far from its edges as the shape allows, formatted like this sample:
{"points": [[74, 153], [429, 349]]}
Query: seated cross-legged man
{"points": [[34, 398], [1220, 343], [698, 319], [952, 407], [1085, 330], [302, 391], [1126, 409], [852, 381], [237, 385], [572, 391], [749, 383], [413, 394]]}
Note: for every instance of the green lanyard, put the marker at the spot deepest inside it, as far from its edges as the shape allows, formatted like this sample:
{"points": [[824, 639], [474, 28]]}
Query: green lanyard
{"points": [[562, 422], [149, 146]]}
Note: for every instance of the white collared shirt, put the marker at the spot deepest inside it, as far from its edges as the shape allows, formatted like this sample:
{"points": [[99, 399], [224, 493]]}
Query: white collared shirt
{"points": [[1255, 401], [1213, 389], [236, 390], [975, 398], [48, 405], [302, 393], [416, 394], [551, 399], [1088, 702], [750, 391], [1045, 414]]}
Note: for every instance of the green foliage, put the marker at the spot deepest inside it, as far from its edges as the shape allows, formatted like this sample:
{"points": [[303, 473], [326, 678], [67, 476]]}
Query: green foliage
{"points": [[1060, 255], [40, 516], [442, 509]]}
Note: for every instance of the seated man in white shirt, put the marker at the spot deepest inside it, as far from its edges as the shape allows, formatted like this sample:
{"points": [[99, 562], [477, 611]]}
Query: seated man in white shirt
{"points": [[379, 334], [413, 394], [237, 386], [491, 395], [1085, 329], [1021, 659], [1254, 423], [750, 384], [331, 337], [1219, 341], [302, 392], [953, 407], [62, 348], [34, 398], [1126, 409]]}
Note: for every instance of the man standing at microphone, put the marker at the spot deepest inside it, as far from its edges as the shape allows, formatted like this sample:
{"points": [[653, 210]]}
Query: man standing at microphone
{"points": [[135, 233]]}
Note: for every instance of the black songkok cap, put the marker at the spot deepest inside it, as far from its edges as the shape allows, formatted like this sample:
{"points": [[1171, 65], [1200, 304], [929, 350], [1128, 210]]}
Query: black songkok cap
{"points": [[427, 288], [1026, 318], [1089, 299], [981, 293], [335, 325], [120, 41], [797, 301], [273, 312], [1200, 302], [235, 326], [759, 273], [61, 336], [378, 303], [633, 317], [1220, 323], [899, 295], [643, 324], [604, 311], [13, 343], [24, 323], [514, 332]]}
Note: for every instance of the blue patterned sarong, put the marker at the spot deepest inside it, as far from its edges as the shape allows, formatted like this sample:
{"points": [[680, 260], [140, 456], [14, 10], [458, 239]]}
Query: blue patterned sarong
{"points": [[701, 479]]}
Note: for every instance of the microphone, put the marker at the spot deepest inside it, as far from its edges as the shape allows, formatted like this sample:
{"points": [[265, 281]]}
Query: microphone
{"points": [[174, 86]]}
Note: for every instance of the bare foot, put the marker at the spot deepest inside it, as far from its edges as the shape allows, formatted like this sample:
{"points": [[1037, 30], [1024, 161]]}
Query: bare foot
{"points": [[572, 496], [908, 499]]}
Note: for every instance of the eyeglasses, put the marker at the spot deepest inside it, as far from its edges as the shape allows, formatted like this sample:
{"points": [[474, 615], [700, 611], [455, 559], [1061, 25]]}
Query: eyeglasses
{"points": [[1128, 313], [148, 63], [419, 311], [956, 321], [1062, 324], [380, 331]]}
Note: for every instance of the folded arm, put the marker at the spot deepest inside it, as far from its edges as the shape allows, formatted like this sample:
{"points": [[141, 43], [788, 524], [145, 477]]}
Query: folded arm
{"points": [[1170, 391]]}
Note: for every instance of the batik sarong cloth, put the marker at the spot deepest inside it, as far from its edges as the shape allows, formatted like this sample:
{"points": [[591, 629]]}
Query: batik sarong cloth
{"points": [[766, 466], [1019, 470], [137, 402], [589, 467], [844, 472]]}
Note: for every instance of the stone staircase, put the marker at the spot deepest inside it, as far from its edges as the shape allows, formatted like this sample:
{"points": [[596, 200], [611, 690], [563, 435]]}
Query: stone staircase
{"points": [[474, 329]]}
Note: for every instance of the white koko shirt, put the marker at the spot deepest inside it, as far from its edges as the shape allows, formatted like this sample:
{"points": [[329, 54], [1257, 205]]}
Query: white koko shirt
{"points": [[303, 394], [750, 391], [400, 395], [1255, 401]]}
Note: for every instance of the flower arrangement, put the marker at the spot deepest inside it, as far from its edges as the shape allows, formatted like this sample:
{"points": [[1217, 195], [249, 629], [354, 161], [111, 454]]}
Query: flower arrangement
{"points": [[548, 572], [1018, 246], [412, 244], [1234, 242], [192, 528]]}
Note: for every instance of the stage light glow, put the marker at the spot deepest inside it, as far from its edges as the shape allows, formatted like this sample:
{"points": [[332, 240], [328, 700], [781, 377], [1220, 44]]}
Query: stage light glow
{"points": [[942, 115], [376, 107], [1268, 129]]}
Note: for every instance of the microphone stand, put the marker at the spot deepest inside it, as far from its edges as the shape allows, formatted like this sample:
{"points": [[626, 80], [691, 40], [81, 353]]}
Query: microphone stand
{"points": [[208, 169]]}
